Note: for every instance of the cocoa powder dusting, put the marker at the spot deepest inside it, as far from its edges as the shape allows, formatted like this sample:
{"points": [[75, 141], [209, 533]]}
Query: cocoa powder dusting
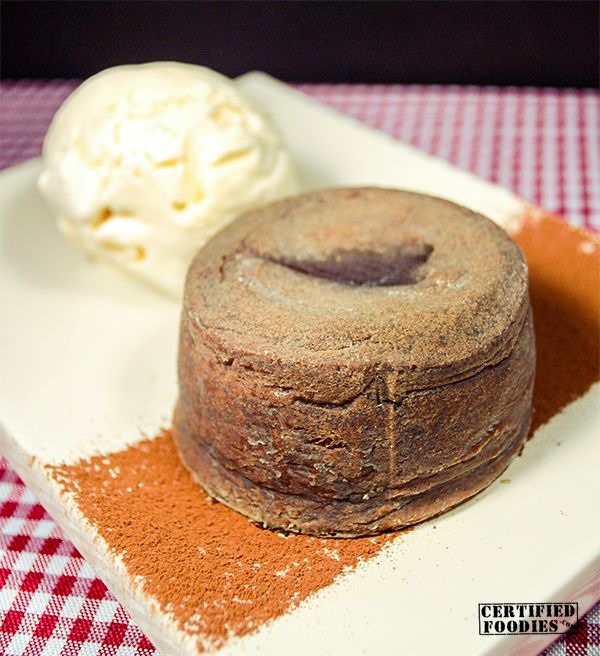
{"points": [[564, 279], [218, 574]]}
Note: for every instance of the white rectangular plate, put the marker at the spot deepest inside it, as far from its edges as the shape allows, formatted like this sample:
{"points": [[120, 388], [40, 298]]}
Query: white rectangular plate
{"points": [[87, 365]]}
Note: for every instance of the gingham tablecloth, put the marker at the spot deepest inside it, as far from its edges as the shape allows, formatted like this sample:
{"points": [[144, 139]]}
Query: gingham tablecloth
{"points": [[542, 143]]}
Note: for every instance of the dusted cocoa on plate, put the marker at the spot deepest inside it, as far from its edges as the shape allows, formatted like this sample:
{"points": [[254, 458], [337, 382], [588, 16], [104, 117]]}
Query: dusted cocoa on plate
{"points": [[354, 360]]}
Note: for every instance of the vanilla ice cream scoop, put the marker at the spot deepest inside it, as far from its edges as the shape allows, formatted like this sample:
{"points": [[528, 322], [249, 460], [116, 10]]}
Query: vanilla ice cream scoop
{"points": [[144, 163]]}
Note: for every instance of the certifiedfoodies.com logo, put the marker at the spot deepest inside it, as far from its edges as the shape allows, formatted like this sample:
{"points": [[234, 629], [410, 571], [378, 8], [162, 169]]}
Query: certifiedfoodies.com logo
{"points": [[515, 618]]}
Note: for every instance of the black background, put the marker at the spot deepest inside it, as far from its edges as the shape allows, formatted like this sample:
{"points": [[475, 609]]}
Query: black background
{"points": [[536, 43]]}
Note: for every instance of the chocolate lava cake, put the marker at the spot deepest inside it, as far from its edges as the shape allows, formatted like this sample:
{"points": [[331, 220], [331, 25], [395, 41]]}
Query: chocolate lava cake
{"points": [[354, 360]]}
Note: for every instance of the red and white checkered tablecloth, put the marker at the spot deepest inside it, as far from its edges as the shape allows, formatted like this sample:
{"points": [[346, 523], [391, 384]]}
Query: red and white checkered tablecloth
{"points": [[542, 143]]}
